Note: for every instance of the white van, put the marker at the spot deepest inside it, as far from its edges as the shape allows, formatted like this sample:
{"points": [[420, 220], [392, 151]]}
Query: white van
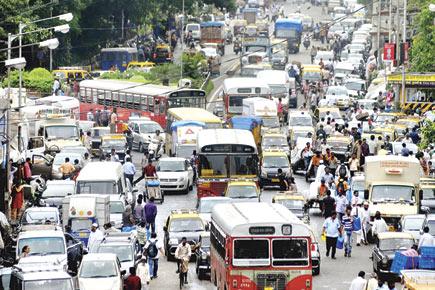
{"points": [[104, 178], [196, 30], [280, 85]]}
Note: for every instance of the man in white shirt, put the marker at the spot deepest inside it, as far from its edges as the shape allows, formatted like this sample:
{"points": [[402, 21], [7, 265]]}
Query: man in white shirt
{"points": [[426, 239], [153, 249], [359, 283], [323, 102], [95, 236], [379, 225]]}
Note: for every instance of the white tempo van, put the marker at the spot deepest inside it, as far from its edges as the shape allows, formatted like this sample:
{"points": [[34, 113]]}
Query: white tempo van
{"points": [[104, 178], [196, 30]]}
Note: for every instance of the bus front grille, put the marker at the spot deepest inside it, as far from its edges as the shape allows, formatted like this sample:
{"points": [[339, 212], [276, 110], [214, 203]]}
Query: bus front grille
{"points": [[272, 281]]}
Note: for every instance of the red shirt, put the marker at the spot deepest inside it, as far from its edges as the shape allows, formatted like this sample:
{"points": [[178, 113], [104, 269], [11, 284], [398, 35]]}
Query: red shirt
{"points": [[150, 170], [132, 283]]}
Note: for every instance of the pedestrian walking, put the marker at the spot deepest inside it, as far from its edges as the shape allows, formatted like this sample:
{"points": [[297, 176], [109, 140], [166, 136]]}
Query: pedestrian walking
{"points": [[150, 214], [28, 170], [426, 239], [97, 118], [76, 88], [142, 271], [129, 170], [332, 230], [328, 204], [359, 283], [153, 250], [113, 121], [341, 203], [104, 117], [379, 226], [90, 115], [142, 235], [17, 199], [347, 227], [133, 281], [95, 236], [365, 222]]}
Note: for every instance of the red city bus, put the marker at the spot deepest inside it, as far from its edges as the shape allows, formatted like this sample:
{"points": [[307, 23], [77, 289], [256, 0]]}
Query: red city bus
{"points": [[136, 99], [224, 154], [259, 246]]}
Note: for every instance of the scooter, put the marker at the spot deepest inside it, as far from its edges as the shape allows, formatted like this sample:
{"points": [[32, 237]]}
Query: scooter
{"points": [[155, 149]]}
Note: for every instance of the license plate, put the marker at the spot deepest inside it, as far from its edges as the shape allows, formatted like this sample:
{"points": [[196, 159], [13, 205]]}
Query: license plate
{"points": [[83, 235], [273, 180], [391, 229], [268, 288]]}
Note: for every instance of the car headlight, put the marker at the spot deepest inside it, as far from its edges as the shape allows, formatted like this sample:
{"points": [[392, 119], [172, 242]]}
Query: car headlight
{"points": [[385, 260], [173, 241], [204, 256]]}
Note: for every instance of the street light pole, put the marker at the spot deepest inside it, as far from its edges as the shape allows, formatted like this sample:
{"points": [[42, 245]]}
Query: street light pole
{"points": [[182, 41], [21, 26], [405, 3]]}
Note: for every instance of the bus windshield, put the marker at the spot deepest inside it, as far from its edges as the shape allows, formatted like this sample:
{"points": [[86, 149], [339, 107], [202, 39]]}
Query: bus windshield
{"points": [[61, 132], [227, 165], [290, 252], [103, 187], [252, 252]]}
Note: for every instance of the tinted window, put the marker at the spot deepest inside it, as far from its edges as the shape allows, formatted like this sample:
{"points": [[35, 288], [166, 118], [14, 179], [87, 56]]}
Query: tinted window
{"points": [[290, 252], [251, 249]]}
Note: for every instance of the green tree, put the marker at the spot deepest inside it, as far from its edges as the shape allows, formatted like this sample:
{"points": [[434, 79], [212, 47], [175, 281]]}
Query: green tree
{"points": [[422, 54]]}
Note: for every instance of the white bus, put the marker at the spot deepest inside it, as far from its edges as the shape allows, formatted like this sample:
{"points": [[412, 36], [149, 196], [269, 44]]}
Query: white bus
{"points": [[237, 89], [264, 243]]}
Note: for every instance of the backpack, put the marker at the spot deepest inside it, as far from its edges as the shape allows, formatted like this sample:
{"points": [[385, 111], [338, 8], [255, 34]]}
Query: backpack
{"points": [[152, 250], [342, 172]]}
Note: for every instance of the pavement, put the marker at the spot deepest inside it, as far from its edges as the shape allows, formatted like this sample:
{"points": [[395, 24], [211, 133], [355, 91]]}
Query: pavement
{"points": [[334, 274]]}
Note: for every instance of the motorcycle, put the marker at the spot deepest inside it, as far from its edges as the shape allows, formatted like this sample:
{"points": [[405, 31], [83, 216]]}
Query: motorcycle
{"points": [[38, 186], [236, 47], [155, 150], [306, 43]]}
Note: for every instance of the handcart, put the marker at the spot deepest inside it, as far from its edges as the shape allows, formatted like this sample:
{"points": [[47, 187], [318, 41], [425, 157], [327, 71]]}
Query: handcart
{"points": [[152, 189]]}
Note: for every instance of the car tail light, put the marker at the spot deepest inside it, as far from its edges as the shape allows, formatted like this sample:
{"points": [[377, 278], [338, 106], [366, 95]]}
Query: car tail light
{"points": [[307, 283], [313, 247], [234, 283]]}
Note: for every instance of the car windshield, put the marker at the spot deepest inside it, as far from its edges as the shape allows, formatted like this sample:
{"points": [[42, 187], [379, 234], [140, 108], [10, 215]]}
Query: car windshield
{"points": [[367, 105], [292, 204], [43, 245], [389, 193], [395, 244], [206, 206], [192, 27], [311, 75], [246, 191], [98, 269], [80, 224], [58, 190], [274, 141], [49, 284], [39, 217], [113, 143], [74, 149], [429, 193], [337, 91], [149, 128], [413, 224], [278, 89], [334, 144], [116, 207], [275, 162], [335, 114], [123, 252], [251, 249], [300, 121], [60, 158], [171, 166], [431, 225], [270, 122], [355, 86], [61, 132], [358, 185], [186, 225], [103, 187]]}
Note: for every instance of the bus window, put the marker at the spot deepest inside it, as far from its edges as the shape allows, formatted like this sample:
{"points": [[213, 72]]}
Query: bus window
{"points": [[243, 165], [213, 165], [290, 252], [250, 249], [162, 107], [70, 75]]}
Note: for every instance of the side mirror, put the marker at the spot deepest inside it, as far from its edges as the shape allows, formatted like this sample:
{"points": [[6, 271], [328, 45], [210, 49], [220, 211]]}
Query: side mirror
{"points": [[165, 229], [420, 194], [366, 194], [123, 272]]}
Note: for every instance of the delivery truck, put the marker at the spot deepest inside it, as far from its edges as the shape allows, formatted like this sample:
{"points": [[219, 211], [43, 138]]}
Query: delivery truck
{"points": [[213, 32], [79, 212], [391, 187]]}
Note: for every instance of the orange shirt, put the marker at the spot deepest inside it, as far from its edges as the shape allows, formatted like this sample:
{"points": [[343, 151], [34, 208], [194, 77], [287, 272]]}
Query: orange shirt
{"points": [[316, 160]]}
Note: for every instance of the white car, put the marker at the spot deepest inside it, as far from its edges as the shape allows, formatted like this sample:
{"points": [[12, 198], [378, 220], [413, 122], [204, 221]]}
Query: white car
{"points": [[175, 174], [340, 95], [100, 271], [143, 132]]}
